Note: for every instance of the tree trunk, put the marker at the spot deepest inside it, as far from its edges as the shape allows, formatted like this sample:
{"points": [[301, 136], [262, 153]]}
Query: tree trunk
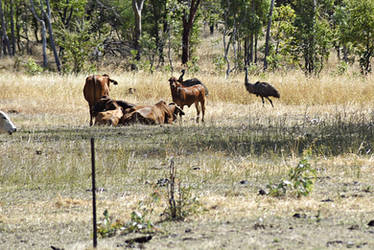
{"points": [[47, 16], [137, 6], [44, 38], [267, 39], [255, 55], [188, 21], [160, 42], [12, 30], [4, 36]]}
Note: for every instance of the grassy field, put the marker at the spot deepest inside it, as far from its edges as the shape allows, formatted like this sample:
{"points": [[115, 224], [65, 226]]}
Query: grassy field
{"points": [[242, 147]]}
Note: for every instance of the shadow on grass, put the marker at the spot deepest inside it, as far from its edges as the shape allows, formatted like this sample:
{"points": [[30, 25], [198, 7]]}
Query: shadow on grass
{"points": [[334, 139]]}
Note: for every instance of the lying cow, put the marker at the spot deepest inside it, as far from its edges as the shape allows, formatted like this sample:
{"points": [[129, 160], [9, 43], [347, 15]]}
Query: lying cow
{"points": [[160, 113], [110, 117], [6, 125], [105, 104]]}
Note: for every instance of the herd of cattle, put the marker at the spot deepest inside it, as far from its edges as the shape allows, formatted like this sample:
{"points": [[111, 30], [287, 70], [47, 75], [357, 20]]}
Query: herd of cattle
{"points": [[106, 111]]}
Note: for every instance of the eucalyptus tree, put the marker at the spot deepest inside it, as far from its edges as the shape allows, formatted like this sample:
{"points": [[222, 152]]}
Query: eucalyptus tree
{"points": [[245, 19], [188, 19], [267, 39], [44, 16], [155, 30], [4, 36], [43, 33], [137, 6], [359, 30], [313, 36], [283, 36]]}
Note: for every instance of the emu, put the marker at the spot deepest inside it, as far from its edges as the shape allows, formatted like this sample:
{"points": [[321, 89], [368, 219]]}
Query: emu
{"points": [[191, 82], [262, 89]]}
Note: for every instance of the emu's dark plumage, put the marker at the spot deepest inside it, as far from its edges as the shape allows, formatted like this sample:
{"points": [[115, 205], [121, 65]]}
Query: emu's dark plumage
{"points": [[262, 89], [191, 82]]}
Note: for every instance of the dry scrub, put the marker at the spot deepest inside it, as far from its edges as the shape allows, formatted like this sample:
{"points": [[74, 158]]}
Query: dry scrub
{"points": [[243, 146]]}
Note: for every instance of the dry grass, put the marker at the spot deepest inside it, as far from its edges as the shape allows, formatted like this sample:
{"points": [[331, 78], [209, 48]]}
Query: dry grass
{"points": [[44, 167]]}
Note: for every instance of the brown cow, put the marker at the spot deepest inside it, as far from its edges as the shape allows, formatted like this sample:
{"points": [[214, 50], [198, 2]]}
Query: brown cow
{"points": [[159, 113], [95, 87], [188, 95], [110, 117], [105, 104]]}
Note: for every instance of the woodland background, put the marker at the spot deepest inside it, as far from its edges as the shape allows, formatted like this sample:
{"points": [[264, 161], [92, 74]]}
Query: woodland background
{"points": [[75, 36]]}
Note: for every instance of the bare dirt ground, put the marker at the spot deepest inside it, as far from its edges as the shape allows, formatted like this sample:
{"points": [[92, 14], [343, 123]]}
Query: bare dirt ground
{"points": [[336, 216]]}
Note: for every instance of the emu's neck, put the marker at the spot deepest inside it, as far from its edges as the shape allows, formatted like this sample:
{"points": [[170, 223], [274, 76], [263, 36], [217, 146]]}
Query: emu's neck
{"points": [[249, 86]]}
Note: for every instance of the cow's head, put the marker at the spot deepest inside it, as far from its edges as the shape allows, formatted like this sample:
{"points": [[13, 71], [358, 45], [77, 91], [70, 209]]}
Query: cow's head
{"points": [[6, 125], [175, 110], [174, 82]]}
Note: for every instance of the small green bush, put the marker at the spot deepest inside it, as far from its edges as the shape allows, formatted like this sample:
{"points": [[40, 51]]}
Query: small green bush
{"points": [[300, 180], [33, 68]]}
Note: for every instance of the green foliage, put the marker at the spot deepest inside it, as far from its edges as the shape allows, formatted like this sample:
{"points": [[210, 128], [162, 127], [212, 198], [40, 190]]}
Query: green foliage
{"points": [[300, 180], [78, 44], [219, 63], [33, 68], [313, 36], [138, 223], [108, 227], [359, 21], [192, 64], [282, 32], [342, 67]]}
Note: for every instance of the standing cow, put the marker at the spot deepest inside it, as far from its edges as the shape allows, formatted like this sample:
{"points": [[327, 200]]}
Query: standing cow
{"points": [[95, 87]]}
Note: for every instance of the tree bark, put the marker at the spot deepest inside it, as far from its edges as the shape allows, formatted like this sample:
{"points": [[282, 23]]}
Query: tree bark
{"points": [[4, 36], [47, 16], [12, 30], [137, 6], [44, 38], [267, 39], [188, 21]]}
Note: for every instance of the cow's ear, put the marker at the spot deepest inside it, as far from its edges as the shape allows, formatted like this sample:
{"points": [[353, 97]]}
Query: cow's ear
{"points": [[113, 81]]}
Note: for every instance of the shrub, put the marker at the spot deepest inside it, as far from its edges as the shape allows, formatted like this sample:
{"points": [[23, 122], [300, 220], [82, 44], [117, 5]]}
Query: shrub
{"points": [[300, 180]]}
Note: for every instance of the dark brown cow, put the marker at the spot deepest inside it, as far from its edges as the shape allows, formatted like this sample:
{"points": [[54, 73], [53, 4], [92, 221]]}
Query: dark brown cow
{"points": [[95, 87], [105, 104], [160, 113], [188, 95]]}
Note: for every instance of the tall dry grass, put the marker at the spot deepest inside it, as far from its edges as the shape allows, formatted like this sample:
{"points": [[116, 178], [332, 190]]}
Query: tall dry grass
{"points": [[52, 93]]}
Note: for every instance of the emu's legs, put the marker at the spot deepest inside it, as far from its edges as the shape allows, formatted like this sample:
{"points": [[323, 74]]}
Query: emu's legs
{"points": [[270, 101]]}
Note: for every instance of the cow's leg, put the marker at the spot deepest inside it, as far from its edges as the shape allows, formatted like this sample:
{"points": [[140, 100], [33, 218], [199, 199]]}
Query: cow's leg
{"points": [[91, 115], [180, 115], [263, 102], [198, 111], [202, 102]]}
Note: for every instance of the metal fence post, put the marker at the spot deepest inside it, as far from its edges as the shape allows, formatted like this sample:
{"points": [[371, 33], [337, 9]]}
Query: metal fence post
{"points": [[93, 192]]}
